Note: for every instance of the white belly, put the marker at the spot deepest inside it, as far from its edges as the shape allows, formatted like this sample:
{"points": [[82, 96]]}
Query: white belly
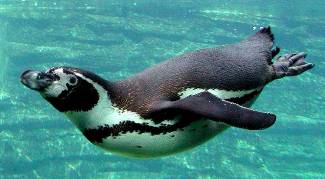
{"points": [[136, 144], [147, 145]]}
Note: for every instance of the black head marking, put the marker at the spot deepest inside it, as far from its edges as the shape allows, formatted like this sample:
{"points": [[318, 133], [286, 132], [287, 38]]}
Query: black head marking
{"points": [[82, 97]]}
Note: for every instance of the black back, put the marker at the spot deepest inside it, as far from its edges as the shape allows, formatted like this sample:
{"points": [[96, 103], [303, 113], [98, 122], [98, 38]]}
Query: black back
{"points": [[242, 66]]}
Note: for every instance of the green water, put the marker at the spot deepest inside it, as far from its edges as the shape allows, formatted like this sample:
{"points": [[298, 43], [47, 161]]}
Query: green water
{"points": [[116, 39]]}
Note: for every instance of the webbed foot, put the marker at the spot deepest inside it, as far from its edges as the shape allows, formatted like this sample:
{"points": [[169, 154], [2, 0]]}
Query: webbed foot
{"points": [[291, 65]]}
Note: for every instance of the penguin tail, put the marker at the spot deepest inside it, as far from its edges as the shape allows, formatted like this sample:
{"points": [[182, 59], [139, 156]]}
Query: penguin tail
{"points": [[263, 38], [266, 33]]}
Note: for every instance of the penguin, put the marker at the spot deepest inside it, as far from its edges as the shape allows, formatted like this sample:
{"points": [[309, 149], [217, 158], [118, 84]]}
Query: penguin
{"points": [[172, 106]]}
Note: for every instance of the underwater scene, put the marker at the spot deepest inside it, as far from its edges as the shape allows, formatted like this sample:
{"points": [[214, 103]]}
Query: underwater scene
{"points": [[117, 39]]}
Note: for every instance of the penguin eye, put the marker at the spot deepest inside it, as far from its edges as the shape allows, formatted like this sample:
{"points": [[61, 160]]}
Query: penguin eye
{"points": [[73, 80]]}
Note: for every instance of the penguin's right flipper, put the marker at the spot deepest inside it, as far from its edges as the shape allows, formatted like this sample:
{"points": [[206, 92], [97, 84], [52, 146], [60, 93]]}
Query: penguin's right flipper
{"points": [[209, 106]]}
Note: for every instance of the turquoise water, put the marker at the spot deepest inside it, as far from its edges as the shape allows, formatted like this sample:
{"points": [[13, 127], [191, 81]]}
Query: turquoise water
{"points": [[116, 39]]}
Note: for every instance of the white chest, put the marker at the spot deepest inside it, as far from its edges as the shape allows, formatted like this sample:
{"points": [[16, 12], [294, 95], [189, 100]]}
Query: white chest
{"points": [[143, 138], [146, 144], [127, 133]]}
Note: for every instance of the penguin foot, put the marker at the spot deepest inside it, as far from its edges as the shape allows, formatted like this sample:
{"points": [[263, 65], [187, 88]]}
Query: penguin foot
{"points": [[275, 51], [291, 65]]}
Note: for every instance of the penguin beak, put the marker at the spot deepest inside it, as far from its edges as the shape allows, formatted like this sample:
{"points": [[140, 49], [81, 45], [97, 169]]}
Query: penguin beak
{"points": [[36, 80]]}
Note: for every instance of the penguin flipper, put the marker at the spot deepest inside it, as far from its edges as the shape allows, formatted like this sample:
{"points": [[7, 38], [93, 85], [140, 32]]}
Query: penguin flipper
{"points": [[207, 105]]}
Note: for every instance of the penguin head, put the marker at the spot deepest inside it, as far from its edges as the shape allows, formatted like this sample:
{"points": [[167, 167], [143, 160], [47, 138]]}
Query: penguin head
{"points": [[67, 89]]}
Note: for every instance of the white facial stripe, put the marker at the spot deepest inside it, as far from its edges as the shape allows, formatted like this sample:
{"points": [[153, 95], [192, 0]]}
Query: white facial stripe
{"points": [[59, 70], [223, 94], [57, 87], [54, 90], [105, 113]]}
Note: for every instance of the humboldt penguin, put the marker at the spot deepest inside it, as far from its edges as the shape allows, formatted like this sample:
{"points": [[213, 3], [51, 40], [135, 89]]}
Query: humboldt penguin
{"points": [[172, 106]]}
